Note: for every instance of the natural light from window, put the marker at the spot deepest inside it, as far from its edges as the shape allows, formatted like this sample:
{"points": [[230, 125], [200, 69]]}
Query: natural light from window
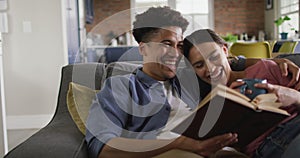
{"points": [[198, 12], [291, 9]]}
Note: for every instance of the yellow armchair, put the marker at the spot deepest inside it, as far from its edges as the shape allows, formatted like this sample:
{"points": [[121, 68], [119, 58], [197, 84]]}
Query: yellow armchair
{"points": [[251, 50]]}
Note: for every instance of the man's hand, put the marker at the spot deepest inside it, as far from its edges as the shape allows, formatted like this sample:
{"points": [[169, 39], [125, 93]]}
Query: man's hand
{"points": [[286, 67], [206, 147], [287, 96]]}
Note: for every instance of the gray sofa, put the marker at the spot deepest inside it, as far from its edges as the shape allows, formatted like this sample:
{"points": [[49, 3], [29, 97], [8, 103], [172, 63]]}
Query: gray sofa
{"points": [[61, 138]]}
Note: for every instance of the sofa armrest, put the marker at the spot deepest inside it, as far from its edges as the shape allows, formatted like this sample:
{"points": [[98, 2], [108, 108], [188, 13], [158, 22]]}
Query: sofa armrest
{"points": [[59, 139]]}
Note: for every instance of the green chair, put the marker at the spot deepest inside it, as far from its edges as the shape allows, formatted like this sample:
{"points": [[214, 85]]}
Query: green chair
{"points": [[288, 47], [251, 50]]}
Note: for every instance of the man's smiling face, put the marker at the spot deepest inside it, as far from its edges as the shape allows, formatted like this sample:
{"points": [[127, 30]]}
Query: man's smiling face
{"points": [[162, 53]]}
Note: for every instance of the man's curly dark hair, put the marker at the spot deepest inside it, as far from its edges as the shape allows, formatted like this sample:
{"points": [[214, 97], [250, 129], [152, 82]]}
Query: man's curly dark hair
{"points": [[154, 19]]}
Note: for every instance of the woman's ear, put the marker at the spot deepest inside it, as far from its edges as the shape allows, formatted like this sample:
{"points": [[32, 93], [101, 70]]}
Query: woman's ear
{"points": [[142, 48]]}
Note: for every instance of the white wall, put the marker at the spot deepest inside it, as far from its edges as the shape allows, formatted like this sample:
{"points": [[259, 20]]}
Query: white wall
{"points": [[33, 60]]}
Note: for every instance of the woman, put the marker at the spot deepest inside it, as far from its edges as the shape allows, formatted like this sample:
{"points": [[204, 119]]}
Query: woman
{"points": [[207, 52]]}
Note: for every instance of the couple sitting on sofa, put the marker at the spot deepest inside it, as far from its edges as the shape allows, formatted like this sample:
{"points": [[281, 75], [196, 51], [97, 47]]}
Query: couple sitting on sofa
{"points": [[132, 115]]}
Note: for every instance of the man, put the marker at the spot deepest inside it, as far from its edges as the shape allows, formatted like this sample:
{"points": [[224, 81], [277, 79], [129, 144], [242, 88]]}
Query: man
{"points": [[132, 111]]}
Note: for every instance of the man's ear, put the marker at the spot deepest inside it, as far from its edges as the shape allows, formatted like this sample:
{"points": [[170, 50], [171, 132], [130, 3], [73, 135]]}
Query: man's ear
{"points": [[142, 48], [225, 50]]}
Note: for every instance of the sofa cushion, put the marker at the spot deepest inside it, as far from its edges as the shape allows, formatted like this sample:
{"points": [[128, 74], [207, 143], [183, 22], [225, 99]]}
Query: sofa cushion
{"points": [[79, 100]]}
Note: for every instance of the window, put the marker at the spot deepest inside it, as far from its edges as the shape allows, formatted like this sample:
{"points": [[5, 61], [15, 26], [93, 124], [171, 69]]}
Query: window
{"points": [[291, 9], [198, 12]]}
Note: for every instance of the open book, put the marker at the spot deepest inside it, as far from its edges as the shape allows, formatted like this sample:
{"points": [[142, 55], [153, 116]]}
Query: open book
{"points": [[225, 110]]}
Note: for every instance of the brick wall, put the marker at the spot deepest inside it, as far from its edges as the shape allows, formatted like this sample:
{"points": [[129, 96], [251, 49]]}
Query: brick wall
{"points": [[231, 16], [238, 16], [111, 18]]}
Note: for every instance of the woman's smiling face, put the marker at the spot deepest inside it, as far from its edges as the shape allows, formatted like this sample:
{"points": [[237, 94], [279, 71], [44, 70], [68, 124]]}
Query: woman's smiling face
{"points": [[209, 61]]}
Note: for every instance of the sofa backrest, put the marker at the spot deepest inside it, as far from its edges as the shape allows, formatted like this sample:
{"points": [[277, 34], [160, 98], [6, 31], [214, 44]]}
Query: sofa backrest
{"points": [[292, 57], [114, 54], [87, 74]]}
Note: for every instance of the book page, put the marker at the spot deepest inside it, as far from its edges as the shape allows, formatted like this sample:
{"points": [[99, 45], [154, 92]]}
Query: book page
{"points": [[269, 102], [233, 95], [269, 97], [231, 91], [272, 107], [261, 102]]}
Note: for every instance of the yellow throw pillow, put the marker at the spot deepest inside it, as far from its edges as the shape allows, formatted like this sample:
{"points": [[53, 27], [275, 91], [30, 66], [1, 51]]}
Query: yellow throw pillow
{"points": [[79, 100]]}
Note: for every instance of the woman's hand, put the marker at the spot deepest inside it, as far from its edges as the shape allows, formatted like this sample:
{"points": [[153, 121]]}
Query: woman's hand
{"points": [[287, 96], [206, 147], [286, 67], [236, 86]]}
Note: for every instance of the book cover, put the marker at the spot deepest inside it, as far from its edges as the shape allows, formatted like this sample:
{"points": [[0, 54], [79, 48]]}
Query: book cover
{"points": [[226, 110]]}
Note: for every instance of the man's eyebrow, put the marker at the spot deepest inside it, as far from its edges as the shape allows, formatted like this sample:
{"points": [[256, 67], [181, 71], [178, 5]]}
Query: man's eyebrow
{"points": [[170, 41], [166, 40]]}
